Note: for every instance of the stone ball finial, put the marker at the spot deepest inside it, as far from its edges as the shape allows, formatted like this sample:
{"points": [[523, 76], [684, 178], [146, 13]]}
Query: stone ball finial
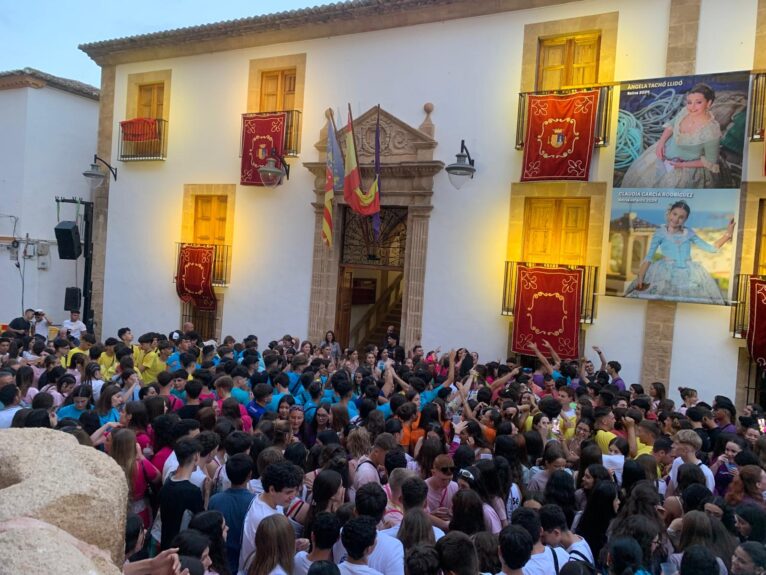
{"points": [[428, 107]]}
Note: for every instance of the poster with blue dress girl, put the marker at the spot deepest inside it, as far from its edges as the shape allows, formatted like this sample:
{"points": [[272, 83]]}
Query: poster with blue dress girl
{"points": [[678, 169]]}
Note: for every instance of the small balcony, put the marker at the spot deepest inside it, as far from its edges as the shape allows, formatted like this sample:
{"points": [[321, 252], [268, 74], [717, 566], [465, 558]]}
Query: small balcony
{"points": [[143, 139], [221, 262], [740, 306], [603, 113], [587, 292], [292, 144]]}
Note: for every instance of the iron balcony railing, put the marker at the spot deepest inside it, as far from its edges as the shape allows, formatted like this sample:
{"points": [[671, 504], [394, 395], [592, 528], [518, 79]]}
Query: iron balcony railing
{"points": [[221, 262], [740, 306], [603, 113], [587, 291], [143, 139], [291, 147]]}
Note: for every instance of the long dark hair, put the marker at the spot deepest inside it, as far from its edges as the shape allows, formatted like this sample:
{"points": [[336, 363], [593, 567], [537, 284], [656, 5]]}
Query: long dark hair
{"points": [[467, 512], [560, 490], [210, 523], [598, 513], [326, 485]]}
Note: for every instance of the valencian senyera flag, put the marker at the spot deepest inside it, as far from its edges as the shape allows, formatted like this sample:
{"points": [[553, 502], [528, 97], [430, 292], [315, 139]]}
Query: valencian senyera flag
{"points": [[560, 136], [547, 308], [334, 178], [364, 203]]}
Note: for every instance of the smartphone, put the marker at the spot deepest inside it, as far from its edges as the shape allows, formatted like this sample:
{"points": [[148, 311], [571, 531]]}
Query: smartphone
{"points": [[527, 370], [762, 424], [456, 418], [556, 425]]}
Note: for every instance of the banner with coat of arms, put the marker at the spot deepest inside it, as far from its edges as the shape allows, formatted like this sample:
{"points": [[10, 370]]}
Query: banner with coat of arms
{"points": [[547, 308], [756, 327], [260, 134], [194, 276], [560, 136]]}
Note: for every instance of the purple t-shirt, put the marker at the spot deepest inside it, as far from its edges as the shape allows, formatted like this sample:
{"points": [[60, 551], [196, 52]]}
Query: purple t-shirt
{"points": [[619, 383]]}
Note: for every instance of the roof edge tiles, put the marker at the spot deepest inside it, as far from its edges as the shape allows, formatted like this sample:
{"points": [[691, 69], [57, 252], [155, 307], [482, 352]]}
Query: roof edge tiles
{"points": [[32, 78]]}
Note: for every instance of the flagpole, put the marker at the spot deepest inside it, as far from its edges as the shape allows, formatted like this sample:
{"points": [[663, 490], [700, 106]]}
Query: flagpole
{"points": [[335, 129], [353, 137]]}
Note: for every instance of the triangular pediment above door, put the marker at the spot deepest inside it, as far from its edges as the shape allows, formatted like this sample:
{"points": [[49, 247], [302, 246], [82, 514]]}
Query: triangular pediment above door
{"points": [[399, 142]]}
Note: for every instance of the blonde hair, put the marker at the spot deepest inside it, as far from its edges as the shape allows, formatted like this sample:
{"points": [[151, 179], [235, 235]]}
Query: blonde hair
{"points": [[275, 545], [123, 451], [358, 442]]}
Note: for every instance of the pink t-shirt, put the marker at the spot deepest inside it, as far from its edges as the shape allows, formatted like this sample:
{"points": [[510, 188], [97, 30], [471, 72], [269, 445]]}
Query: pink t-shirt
{"points": [[161, 457], [440, 497]]}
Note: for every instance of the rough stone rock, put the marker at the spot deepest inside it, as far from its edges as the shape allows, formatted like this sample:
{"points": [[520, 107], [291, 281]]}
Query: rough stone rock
{"points": [[32, 546], [46, 475]]}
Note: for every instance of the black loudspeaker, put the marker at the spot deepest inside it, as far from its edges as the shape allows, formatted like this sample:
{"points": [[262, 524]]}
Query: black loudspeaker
{"points": [[68, 239], [72, 299]]}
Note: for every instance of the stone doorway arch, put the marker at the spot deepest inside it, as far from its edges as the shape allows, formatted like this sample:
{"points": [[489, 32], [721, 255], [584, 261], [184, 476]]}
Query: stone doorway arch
{"points": [[407, 178]]}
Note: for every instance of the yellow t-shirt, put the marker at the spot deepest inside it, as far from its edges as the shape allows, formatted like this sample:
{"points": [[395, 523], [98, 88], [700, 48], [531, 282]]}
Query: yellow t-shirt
{"points": [[603, 439], [108, 365], [643, 448], [154, 365], [71, 353]]}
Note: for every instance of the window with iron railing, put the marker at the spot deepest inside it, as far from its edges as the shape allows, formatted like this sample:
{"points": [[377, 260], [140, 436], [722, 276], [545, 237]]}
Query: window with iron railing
{"points": [[587, 292], [221, 273], [603, 113], [143, 139], [292, 143]]}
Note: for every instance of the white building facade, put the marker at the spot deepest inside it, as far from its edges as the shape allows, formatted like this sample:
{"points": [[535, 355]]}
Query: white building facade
{"points": [[470, 61], [48, 135]]}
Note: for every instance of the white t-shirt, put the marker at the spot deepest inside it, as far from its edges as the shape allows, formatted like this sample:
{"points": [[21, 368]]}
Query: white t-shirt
{"points": [[394, 531], [75, 327], [6, 416], [353, 569], [543, 563], [709, 478], [580, 551], [302, 563], [257, 512], [387, 557], [171, 464]]}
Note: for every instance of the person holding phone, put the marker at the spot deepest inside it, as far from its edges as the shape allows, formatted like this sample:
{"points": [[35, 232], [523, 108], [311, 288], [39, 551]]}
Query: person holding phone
{"points": [[724, 468]]}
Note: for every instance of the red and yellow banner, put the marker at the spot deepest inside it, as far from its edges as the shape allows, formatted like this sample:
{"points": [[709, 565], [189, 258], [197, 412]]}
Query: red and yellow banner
{"points": [[756, 327], [547, 308], [194, 276], [260, 134], [560, 136]]}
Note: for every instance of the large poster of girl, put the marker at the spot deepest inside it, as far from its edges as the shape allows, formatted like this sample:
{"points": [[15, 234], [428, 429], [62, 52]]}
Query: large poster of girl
{"points": [[683, 132], [678, 169]]}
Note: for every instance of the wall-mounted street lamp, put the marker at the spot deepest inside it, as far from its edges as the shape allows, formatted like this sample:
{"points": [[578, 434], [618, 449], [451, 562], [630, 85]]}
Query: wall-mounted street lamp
{"points": [[462, 170]]}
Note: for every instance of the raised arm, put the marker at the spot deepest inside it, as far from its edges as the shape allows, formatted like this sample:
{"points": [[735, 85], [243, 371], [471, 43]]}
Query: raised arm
{"points": [[630, 427], [543, 360], [601, 356], [554, 355]]}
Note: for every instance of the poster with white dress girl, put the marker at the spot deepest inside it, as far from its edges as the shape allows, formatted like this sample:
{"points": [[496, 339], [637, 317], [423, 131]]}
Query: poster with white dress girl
{"points": [[685, 132], [678, 169]]}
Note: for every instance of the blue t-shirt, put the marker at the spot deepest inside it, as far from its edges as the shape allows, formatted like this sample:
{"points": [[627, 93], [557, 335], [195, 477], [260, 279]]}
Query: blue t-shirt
{"points": [[112, 415], [255, 411], [174, 361], [273, 405], [240, 395], [71, 412], [233, 505]]}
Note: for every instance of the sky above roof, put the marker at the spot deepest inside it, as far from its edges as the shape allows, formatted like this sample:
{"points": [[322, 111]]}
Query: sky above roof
{"points": [[44, 34]]}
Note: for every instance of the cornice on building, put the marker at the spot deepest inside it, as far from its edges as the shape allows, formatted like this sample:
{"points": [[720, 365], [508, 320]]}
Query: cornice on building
{"points": [[337, 19]]}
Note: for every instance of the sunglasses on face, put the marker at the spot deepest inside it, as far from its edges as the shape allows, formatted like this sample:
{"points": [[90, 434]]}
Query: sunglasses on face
{"points": [[447, 470], [466, 474]]}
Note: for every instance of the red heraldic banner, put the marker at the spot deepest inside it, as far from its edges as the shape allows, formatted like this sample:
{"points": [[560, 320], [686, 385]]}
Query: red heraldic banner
{"points": [[194, 279], [260, 133], [756, 327], [560, 136], [547, 309]]}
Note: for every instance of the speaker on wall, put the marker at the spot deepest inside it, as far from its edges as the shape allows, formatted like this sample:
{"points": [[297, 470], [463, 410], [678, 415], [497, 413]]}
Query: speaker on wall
{"points": [[68, 239], [72, 298]]}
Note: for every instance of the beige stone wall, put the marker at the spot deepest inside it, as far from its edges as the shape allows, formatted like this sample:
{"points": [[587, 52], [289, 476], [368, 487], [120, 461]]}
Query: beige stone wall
{"points": [[759, 57], [101, 195], [595, 191], [682, 37], [605, 23]]}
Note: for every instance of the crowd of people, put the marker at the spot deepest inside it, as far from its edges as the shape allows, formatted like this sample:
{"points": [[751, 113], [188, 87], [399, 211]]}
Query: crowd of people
{"points": [[303, 457]]}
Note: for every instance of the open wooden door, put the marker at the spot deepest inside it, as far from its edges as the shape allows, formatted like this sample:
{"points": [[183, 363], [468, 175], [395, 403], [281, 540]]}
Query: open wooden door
{"points": [[343, 315]]}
